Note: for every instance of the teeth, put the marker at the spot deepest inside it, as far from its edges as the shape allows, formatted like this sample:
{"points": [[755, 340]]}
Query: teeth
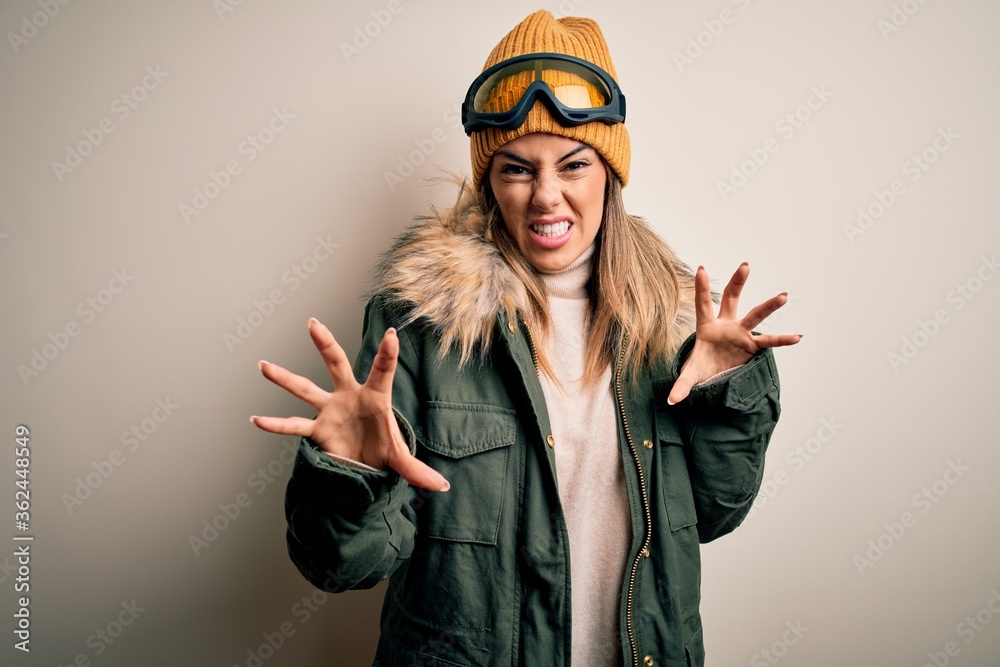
{"points": [[557, 229]]}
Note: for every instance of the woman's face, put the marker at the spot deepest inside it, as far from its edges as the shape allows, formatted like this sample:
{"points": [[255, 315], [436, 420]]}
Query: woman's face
{"points": [[551, 194]]}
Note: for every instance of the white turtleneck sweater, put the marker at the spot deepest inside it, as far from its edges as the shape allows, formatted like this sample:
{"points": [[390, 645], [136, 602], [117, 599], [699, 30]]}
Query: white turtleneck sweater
{"points": [[589, 470]]}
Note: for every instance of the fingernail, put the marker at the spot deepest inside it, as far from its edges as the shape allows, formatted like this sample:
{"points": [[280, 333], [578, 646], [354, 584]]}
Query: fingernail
{"points": [[260, 364], [800, 336], [312, 321], [447, 485], [669, 402], [391, 330], [252, 417]]}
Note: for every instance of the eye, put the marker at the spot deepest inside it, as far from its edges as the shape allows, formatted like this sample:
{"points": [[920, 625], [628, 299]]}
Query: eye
{"points": [[576, 165], [514, 170]]}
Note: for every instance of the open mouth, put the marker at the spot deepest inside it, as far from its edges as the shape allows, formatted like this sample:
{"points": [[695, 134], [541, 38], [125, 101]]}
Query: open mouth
{"points": [[553, 230]]}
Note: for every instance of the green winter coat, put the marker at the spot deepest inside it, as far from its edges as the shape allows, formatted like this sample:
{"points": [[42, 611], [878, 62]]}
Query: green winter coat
{"points": [[480, 575]]}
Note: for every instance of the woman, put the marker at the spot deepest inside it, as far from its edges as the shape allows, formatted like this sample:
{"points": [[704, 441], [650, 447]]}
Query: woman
{"points": [[539, 376]]}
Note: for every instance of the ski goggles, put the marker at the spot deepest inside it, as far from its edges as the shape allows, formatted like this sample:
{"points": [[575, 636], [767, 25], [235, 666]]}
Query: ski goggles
{"points": [[575, 91]]}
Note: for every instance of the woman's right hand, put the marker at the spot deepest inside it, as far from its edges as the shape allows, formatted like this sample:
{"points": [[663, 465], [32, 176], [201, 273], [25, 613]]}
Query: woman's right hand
{"points": [[355, 421]]}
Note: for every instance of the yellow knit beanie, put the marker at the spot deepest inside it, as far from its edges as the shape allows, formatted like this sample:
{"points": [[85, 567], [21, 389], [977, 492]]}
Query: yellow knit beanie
{"points": [[543, 33]]}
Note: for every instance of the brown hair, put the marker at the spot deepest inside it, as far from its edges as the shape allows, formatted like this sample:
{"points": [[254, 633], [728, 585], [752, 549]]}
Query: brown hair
{"points": [[642, 293]]}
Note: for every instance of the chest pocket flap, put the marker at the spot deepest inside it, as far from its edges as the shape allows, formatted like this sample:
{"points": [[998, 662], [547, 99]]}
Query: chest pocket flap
{"points": [[468, 443], [457, 430]]}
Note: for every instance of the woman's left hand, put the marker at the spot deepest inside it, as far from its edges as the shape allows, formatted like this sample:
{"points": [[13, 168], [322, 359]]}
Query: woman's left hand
{"points": [[724, 342]]}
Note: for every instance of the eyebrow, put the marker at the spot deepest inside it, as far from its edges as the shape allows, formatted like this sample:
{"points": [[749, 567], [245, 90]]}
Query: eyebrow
{"points": [[526, 161]]}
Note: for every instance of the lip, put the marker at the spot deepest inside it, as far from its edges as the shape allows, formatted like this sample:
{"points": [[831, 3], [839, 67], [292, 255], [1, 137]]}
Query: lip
{"points": [[550, 242], [550, 221]]}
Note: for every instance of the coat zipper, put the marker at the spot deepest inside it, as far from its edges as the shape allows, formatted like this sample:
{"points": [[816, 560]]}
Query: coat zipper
{"points": [[642, 488], [531, 346], [645, 506]]}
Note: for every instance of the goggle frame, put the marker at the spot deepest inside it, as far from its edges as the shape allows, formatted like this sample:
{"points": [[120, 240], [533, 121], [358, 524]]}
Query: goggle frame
{"points": [[611, 113]]}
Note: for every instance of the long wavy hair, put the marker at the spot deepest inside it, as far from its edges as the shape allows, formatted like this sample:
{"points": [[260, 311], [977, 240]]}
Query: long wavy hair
{"points": [[642, 294]]}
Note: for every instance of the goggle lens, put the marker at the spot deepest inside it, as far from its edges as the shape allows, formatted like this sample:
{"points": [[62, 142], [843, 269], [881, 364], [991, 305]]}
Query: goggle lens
{"points": [[574, 86]]}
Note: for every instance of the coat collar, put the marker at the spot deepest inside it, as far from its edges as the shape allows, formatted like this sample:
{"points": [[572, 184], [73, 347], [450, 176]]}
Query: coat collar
{"points": [[444, 272]]}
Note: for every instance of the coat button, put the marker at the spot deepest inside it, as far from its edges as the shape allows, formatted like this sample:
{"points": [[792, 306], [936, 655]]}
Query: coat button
{"points": [[648, 661], [512, 326], [551, 441], [645, 552], [647, 443]]}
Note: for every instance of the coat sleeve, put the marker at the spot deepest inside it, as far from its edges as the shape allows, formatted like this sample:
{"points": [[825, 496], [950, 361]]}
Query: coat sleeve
{"points": [[726, 427], [350, 528]]}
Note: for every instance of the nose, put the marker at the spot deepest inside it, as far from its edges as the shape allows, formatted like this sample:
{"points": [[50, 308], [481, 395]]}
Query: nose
{"points": [[547, 191]]}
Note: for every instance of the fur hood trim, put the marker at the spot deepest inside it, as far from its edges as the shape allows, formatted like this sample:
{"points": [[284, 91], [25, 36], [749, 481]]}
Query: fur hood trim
{"points": [[444, 270]]}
